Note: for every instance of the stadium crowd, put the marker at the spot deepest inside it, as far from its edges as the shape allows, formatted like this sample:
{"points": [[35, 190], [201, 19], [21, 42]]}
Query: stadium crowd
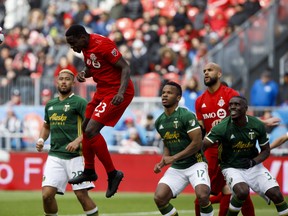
{"points": [[165, 37]]}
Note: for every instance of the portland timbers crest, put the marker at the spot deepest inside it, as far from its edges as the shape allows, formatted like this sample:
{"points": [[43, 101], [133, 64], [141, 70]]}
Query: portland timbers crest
{"points": [[66, 107]]}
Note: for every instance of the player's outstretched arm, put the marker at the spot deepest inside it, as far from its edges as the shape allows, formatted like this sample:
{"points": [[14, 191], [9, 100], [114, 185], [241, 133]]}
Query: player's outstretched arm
{"points": [[279, 141]]}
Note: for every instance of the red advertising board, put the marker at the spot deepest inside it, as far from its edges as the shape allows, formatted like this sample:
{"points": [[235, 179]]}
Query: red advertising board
{"points": [[23, 171]]}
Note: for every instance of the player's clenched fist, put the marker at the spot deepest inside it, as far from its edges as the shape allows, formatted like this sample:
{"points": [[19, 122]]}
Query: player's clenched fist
{"points": [[40, 144]]}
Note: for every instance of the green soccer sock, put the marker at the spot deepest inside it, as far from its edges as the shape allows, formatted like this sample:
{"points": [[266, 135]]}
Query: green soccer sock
{"points": [[168, 210], [235, 206], [207, 210], [282, 208]]}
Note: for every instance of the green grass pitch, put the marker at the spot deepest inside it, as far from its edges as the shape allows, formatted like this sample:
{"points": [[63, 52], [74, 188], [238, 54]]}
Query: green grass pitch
{"points": [[29, 203]]}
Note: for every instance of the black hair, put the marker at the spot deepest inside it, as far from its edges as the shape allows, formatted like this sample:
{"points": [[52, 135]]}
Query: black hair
{"points": [[176, 85], [75, 30], [242, 98]]}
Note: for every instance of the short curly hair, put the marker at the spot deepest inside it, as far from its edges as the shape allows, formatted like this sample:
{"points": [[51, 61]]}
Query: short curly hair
{"points": [[76, 30]]}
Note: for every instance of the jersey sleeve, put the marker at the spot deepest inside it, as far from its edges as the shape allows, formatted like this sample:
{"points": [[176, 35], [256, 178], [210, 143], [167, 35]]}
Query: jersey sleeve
{"points": [[110, 51], [46, 115], [198, 109], [191, 122], [82, 107], [215, 134], [263, 137]]}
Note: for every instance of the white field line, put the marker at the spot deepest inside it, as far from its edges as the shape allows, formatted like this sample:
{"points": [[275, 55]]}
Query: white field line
{"points": [[180, 212]]}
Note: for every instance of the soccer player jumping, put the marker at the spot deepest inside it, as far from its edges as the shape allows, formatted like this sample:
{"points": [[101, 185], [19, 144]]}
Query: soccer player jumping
{"points": [[115, 90]]}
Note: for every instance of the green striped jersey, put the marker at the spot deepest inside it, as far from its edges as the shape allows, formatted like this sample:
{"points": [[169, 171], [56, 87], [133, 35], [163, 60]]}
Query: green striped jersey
{"points": [[65, 119], [174, 131], [238, 142]]}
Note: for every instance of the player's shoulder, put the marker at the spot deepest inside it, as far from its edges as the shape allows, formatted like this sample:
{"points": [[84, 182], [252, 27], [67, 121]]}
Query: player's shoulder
{"points": [[184, 111], [229, 90], [202, 96], [78, 98], [52, 101], [254, 119]]}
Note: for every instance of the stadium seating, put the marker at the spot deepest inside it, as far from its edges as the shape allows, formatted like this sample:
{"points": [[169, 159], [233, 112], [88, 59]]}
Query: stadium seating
{"points": [[150, 85]]}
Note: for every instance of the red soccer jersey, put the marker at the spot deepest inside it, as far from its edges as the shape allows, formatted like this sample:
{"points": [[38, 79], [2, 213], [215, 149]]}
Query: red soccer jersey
{"points": [[212, 106], [100, 57]]}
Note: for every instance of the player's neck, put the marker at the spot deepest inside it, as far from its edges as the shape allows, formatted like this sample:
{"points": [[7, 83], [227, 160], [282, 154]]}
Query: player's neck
{"points": [[240, 121], [214, 87], [170, 110], [64, 96]]}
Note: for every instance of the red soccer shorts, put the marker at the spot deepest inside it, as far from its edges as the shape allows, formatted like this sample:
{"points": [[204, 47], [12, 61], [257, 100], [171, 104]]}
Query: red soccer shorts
{"points": [[102, 110]]}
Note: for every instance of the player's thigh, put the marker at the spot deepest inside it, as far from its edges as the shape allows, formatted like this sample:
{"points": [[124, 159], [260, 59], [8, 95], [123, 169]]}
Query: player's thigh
{"points": [[75, 167], [175, 179], [108, 114], [54, 174], [198, 174], [260, 179], [234, 176]]}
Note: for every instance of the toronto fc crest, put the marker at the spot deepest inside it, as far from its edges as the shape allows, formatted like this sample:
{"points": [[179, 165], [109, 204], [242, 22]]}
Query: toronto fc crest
{"points": [[221, 102], [93, 60]]}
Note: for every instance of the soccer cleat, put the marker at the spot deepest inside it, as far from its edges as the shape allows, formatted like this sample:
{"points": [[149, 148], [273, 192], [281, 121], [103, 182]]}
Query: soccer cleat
{"points": [[113, 184], [82, 178]]}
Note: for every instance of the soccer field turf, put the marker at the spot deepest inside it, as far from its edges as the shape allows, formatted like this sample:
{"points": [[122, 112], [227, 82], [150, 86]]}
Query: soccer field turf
{"points": [[29, 203]]}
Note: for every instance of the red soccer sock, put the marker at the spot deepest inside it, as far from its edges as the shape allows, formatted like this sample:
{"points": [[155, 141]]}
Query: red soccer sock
{"points": [[88, 153], [216, 199], [99, 146], [248, 207], [197, 207], [224, 204]]}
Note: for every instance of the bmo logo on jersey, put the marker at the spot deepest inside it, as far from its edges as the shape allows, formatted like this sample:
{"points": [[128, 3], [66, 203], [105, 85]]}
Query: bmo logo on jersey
{"points": [[221, 113]]}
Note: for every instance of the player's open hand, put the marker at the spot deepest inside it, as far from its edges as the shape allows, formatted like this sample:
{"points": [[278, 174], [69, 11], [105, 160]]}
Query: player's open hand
{"points": [[73, 146], [273, 121], [81, 76]]}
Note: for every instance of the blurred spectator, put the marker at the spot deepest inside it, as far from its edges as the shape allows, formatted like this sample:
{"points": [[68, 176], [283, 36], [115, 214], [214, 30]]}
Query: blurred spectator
{"points": [[251, 7], [117, 10], [139, 62], [83, 8], [46, 95], [15, 98], [151, 133], [190, 93], [2, 12], [180, 19], [65, 64], [264, 91], [124, 133], [103, 25], [283, 91], [200, 18], [239, 16], [16, 12], [12, 124], [131, 144], [36, 19], [167, 62], [126, 52], [182, 62], [133, 9]]}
